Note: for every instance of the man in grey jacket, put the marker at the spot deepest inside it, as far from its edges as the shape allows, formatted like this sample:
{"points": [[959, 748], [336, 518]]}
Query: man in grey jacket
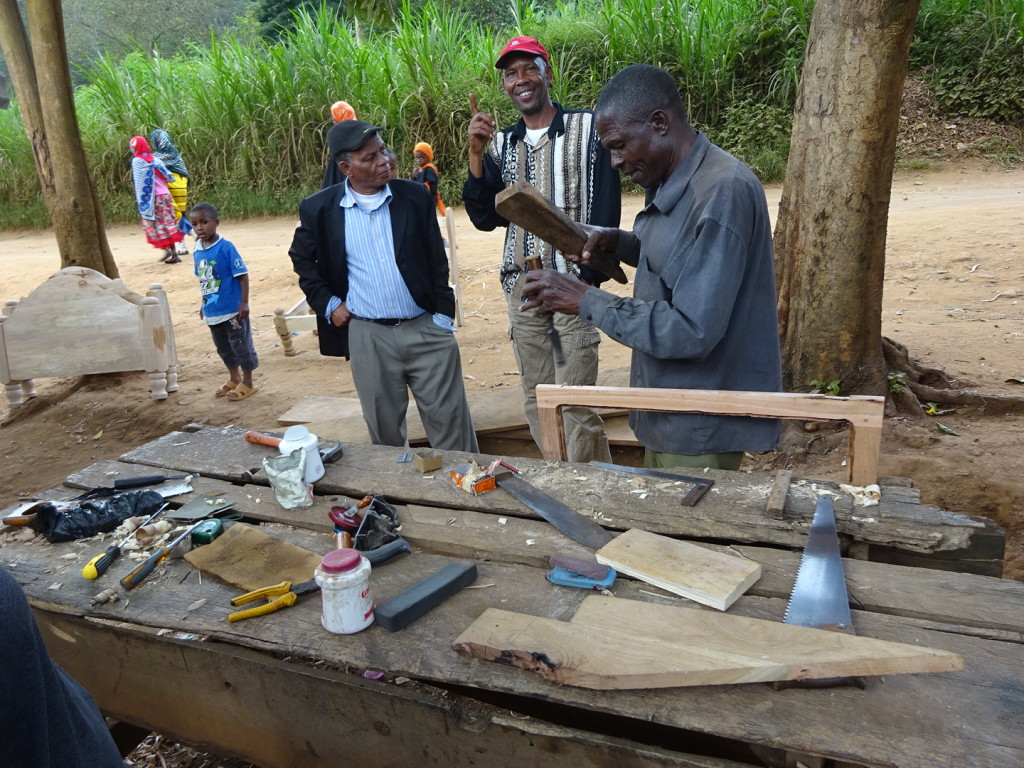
{"points": [[703, 310]]}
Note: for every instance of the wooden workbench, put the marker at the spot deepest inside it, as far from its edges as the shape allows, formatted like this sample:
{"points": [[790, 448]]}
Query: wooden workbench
{"points": [[281, 691]]}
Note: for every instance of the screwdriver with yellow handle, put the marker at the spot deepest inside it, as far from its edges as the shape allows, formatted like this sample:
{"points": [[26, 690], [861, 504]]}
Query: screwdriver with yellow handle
{"points": [[99, 564], [138, 575]]}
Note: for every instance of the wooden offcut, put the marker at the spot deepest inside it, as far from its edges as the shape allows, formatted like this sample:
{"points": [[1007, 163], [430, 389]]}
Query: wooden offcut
{"points": [[522, 204], [703, 575], [613, 643]]}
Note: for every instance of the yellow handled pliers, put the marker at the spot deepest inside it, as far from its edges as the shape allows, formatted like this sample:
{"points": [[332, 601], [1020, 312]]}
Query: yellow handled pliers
{"points": [[284, 595]]}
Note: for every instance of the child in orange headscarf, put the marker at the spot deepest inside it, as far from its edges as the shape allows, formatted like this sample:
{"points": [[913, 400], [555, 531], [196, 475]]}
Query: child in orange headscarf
{"points": [[426, 172]]}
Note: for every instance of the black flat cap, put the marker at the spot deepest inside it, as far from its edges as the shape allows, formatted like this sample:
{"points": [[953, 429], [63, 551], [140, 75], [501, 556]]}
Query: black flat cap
{"points": [[348, 135]]}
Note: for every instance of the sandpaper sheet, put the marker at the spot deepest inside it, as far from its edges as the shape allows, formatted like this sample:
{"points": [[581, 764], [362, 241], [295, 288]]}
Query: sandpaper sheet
{"points": [[246, 557]]}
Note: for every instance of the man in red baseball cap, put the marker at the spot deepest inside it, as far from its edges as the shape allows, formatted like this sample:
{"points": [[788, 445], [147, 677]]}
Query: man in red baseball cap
{"points": [[522, 44], [556, 150]]}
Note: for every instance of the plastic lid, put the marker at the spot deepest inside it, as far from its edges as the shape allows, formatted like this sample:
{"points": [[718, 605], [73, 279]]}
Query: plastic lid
{"points": [[296, 433], [340, 560]]}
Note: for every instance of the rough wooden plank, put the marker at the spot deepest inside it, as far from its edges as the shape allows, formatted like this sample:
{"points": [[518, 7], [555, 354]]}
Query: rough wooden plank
{"points": [[219, 452], [991, 607], [733, 511], [777, 496], [254, 707], [614, 644], [461, 533], [864, 414], [703, 575], [971, 719]]}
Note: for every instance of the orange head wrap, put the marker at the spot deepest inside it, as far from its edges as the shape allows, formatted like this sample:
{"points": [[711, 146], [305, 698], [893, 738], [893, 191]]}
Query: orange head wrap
{"points": [[342, 110], [425, 149]]}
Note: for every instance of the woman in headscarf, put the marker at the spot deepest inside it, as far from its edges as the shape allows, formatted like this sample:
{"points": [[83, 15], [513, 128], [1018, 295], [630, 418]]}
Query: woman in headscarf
{"points": [[156, 209], [340, 111], [164, 149], [426, 172]]}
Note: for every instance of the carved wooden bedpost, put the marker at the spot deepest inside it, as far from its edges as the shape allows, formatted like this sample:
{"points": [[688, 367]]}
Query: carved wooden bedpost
{"points": [[157, 291], [281, 326], [154, 326]]}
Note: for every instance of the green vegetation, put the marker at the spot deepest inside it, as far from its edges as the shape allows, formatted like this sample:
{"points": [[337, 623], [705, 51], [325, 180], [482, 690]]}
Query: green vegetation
{"points": [[830, 388], [250, 114], [973, 54]]}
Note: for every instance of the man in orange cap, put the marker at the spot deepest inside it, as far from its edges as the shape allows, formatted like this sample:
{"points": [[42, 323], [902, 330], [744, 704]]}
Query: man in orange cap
{"points": [[556, 150]]}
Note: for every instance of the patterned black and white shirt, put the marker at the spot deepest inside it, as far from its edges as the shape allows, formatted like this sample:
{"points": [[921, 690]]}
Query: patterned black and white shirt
{"points": [[568, 166]]}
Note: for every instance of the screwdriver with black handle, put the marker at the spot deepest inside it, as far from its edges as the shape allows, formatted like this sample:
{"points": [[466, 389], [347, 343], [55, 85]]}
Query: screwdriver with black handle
{"points": [[138, 575], [99, 564]]}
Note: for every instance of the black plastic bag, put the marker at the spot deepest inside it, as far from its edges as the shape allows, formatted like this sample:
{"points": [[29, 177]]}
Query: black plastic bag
{"points": [[68, 521]]}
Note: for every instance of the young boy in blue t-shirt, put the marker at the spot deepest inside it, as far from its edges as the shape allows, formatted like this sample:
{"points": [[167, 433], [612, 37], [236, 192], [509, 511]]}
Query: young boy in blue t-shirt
{"points": [[224, 284]]}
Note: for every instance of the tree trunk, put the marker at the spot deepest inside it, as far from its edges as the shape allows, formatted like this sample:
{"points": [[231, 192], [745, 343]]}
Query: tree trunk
{"points": [[41, 68], [830, 236]]}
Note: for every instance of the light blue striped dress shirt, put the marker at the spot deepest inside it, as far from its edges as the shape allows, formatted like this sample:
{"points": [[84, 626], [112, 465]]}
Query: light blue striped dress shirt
{"points": [[376, 288]]}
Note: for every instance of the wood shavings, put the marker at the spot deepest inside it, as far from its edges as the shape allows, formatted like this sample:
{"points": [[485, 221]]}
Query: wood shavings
{"points": [[502, 520], [70, 556], [479, 586], [530, 542], [197, 604], [56, 585], [863, 496]]}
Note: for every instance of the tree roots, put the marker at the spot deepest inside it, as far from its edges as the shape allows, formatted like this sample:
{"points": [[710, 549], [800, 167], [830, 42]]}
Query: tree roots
{"points": [[921, 384]]}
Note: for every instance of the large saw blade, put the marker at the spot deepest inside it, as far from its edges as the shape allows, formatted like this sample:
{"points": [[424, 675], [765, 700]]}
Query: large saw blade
{"points": [[819, 596]]}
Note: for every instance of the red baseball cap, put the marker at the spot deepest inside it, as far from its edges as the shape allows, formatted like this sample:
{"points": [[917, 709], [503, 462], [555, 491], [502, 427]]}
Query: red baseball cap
{"points": [[522, 45]]}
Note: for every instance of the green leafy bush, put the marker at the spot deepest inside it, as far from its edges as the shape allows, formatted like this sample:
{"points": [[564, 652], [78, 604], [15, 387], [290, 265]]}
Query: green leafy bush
{"points": [[758, 134]]}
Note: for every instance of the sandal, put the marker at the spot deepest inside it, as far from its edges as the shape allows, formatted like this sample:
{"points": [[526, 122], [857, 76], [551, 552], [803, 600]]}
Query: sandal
{"points": [[225, 388], [240, 393], [175, 260]]}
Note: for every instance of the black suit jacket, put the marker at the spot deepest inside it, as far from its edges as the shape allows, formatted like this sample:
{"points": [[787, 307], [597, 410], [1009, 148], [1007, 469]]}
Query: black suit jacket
{"points": [[319, 258]]}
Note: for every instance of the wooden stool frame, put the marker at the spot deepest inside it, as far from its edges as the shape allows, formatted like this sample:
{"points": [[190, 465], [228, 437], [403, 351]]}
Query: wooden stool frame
{"points": [[863, 413]]}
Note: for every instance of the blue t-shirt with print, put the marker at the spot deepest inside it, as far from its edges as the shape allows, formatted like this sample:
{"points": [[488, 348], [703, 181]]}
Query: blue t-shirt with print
{"points": [[218, 268]]}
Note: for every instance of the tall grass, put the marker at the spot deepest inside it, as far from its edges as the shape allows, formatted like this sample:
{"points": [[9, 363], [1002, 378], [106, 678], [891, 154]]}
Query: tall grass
{"points": [[250, 118]]}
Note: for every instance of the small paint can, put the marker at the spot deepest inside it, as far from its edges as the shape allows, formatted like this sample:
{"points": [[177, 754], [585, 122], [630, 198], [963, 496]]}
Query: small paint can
{"points": [[344, 579]]}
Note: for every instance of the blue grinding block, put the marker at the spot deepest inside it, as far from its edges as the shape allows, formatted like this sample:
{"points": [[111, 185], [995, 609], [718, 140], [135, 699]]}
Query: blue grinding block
{"points": [[566, 578]]}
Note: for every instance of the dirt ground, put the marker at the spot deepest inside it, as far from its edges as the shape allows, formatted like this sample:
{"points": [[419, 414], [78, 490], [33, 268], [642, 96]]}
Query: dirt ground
{"points": [[953, 295]]}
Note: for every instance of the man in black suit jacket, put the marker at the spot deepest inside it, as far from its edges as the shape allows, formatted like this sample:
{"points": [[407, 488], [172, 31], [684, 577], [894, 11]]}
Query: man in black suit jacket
{"points": [[370, 259]]}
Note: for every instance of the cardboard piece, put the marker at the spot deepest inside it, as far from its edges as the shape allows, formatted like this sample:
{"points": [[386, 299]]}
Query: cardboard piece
{"points": [[247, 558]]}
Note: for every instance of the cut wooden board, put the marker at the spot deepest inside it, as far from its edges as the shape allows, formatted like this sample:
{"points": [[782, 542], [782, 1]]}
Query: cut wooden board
{"points": [[248, 558], [700, 574], [523, 204], [613, 643]]}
